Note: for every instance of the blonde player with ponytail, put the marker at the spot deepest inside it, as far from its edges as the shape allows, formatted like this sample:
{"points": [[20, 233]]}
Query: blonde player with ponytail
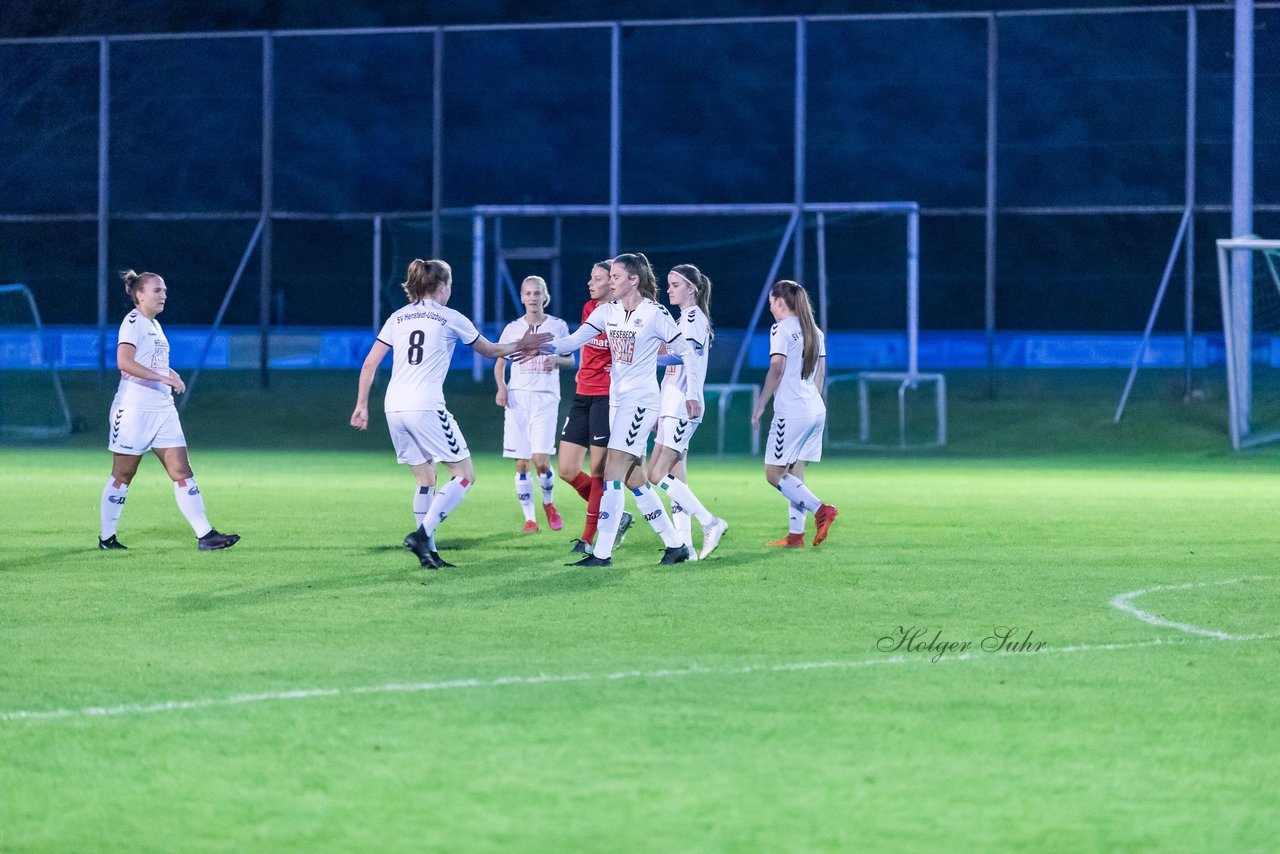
{"points": [[143, 418], [797, 370], [530, 402], [421, 337]]}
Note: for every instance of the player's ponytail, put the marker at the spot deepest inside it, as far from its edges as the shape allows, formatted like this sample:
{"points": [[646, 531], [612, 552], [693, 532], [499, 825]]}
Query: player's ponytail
{"points": [[637, 265], [425, 278], [796, 299], [701, 289], [134, 282]]}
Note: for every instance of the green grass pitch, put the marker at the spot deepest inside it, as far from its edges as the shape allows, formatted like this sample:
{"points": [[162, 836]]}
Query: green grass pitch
{"points": [[313, 690]]}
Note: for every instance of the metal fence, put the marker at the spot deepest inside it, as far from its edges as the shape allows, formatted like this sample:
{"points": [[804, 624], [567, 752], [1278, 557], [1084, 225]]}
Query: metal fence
{"points": [[1054, 153]]}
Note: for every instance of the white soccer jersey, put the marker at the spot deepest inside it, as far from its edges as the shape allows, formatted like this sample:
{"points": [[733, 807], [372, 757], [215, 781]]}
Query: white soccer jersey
{"points": [[796, 395], [422, 336], [151, 350], [540, 373], [634, 337], [696, 329]]}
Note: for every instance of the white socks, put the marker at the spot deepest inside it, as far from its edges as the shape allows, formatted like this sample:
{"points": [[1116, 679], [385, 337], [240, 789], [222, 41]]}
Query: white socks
{"points": [[111, 507], [191, 503], [186, 494], [795, 519], [798, 494], [447, 498], [547, 480], [422, 498], [612, 503], [651, 506], [524, 494], [680, 492], [682, 522]]}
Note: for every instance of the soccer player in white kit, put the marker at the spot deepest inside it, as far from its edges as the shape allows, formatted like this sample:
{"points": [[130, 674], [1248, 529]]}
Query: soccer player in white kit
{"points": [[143, 418], [797, 370], [421, 337], [690, 291], [531, 403], [636, 325]]}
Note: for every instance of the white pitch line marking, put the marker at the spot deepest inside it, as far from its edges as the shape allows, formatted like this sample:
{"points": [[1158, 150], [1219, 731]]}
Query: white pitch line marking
{"points": [[547, 678], [1124, 602]]}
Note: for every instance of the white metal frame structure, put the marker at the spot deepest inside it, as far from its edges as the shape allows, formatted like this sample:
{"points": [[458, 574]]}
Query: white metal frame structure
{"points": [[267, 213], [33, 432], [791, 238], [1235, 254]]}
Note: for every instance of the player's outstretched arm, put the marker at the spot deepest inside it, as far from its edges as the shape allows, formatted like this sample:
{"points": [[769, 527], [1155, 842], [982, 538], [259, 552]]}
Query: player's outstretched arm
{"points": [[572, 341], [360, 416], [527, 344]]}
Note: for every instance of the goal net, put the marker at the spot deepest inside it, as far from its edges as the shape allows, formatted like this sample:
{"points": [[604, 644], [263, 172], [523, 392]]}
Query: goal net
{"points": [[1249, 279], [32, 405]]}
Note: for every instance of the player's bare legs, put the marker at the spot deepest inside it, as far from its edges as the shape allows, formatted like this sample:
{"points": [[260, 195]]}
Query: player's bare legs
{"points": [[424, 490], [114, 495], [621, 468], [422, 542], [590, 487], [792, 486], [547, 484], [187, 494], [668, 471], [524, 495]]}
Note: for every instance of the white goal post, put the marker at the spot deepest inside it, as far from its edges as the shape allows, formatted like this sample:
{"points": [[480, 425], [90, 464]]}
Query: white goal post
{"points": [[33, 406], [1242, 309]]}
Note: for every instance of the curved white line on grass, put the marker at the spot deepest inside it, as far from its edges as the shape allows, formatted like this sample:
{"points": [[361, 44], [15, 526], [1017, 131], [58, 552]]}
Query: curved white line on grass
{"points": [[1124, 602], [541, 679]]}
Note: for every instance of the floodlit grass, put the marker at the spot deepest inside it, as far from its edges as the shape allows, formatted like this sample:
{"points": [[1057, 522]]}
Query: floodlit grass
{"points": [[312, 689]]}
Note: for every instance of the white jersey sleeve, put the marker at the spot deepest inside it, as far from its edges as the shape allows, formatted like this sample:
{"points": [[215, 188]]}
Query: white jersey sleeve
{"points": [[777, 341], [386, 334], [796, 395], [694, 368], [422, 337], [696, 332], [462, 326], [151, 350]]}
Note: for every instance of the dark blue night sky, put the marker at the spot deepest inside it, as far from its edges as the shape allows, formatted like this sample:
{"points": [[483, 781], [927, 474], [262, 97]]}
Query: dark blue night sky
{"points": [[1091, 113]]}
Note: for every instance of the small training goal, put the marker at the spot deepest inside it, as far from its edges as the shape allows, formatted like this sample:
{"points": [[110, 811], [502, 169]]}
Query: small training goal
{"points": [[33, 406]]}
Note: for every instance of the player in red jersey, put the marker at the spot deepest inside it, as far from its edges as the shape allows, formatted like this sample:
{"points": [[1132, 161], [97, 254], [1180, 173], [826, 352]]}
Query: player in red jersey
{"points": [[587, 425]]}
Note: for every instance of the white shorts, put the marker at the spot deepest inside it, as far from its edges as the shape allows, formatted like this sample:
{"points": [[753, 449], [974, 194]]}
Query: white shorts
{"points": [[135, 431], [629, 428], [675, 432], [421, 436], [795, 438], [529, 424]]}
